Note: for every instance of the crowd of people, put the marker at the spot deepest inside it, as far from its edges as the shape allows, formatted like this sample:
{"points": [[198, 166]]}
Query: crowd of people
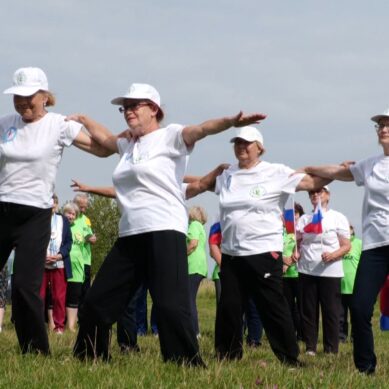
{"points": [[262, 274]]}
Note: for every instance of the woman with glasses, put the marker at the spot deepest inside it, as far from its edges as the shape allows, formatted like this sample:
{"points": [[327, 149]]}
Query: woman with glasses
{"points": [[32, 141], [152, 231], [373, 174], [321, 249]]}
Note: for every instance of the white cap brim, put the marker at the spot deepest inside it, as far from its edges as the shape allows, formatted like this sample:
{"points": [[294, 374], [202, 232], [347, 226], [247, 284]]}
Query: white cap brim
{"points": [[377, 118], [22, 90]]}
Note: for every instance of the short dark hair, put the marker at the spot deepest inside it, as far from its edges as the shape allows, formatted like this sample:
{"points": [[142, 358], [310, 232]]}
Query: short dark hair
{"points": [[298, 209]]}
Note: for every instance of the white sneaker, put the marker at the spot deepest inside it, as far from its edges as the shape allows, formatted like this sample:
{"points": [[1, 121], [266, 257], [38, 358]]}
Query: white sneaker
{"points": [[310, 353]]}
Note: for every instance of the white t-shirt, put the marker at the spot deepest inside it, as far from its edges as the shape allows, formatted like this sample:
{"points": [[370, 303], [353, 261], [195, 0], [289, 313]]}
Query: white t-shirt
{"points": [[334, 224], [30, 154], [148, 182], [251, 206], [373, 174]]}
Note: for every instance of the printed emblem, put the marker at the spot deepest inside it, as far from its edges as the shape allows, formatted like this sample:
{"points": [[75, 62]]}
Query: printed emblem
{"points": [[21, 78], [257, 191], [9, 135]]}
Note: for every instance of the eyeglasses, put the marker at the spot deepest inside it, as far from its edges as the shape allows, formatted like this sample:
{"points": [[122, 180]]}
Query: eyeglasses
{"points": [[312, 192], [132, 107], [381, 127]]}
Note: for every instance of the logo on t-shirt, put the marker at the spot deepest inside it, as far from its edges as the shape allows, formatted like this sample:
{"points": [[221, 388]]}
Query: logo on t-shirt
{"points": [[9, 135], [257, 191]]}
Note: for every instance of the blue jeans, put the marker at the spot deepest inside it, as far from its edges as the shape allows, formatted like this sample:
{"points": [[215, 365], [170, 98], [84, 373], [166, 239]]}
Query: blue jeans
{"points": [[371, 274]]}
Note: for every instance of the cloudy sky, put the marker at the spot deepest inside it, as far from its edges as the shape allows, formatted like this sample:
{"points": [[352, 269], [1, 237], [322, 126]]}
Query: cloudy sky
{"points": [[318, 69]]}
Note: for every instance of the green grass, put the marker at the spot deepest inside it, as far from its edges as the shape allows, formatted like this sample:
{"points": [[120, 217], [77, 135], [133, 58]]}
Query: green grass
{"points": [[258, 368]]}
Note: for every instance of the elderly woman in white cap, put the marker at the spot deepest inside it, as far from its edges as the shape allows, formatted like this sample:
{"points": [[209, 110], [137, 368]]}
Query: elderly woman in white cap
{"points": [[31, 144], [322, 246], [252, 196], [373, 268], [153, 225]]}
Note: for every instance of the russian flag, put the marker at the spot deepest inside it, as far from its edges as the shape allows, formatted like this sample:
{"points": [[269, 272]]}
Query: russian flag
{"points": [[289, 215], [215, 234], [315, 227], [384, 306]]}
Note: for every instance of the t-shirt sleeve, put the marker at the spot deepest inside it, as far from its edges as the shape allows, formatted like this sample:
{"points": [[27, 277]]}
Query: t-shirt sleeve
{"points": [[175, 142], [69, 131], [361, 169], [291, 181], [342, 226], [194, 231], [122, 144], [184, 187]]}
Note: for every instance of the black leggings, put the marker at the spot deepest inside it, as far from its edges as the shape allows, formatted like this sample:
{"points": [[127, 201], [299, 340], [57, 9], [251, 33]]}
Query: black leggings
{"points": [[158, 258], [27, 229]]}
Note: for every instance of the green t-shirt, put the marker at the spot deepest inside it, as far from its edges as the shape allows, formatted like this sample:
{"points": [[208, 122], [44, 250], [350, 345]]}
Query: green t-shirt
{"points": [[350, 264], [289, 243], [77, 253], [84, 222], [197, 260]]}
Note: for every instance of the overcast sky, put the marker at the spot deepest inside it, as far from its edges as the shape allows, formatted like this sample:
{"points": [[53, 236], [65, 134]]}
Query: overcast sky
{"points": [[318, 69]]}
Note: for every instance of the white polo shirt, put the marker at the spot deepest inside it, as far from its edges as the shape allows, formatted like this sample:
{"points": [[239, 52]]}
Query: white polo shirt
{"points": [[251, 206], [334, 224], [148, 182], [373, 174], [30, 154]]}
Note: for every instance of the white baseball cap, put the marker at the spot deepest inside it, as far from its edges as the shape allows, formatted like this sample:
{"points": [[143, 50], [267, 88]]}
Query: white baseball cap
{"points": [[28, 81], [249, 133], [377, 118], [139, 92]]}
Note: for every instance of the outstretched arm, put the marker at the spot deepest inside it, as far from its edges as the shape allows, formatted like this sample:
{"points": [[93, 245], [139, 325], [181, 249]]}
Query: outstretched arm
{"points": [[207, 182], [107, 191], [98, 133], [192, 134], [340, 172]]}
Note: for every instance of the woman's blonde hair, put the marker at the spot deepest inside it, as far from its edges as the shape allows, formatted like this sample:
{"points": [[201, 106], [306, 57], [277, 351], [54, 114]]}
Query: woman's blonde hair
{"points": [[198, 213], [50, 98], [71, 207]]}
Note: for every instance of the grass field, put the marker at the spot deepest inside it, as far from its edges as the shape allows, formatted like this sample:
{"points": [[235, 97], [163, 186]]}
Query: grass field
{"points": [[258, 368]]}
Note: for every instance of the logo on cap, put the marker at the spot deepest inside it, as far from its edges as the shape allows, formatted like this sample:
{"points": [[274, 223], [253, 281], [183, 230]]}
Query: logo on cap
{"points": [[21, 78]]}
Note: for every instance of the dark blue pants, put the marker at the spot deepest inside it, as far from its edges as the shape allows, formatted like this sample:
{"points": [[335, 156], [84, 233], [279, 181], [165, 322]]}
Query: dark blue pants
{"points": [[371, 274], [253, 324], [141, 313], [194, 283], [126, 325]]}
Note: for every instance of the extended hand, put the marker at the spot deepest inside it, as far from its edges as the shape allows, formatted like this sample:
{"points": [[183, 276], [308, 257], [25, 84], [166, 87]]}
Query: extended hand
{"points": [[241, 120], [78, 187]]}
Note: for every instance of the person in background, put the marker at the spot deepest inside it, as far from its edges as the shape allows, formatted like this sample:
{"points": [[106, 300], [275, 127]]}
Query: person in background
{"points": [[82, 201], [350, 265], [77, 255], [32, 141], [320, 271], [214, 242], [58, 267], [290, 279], [197, 259]]}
